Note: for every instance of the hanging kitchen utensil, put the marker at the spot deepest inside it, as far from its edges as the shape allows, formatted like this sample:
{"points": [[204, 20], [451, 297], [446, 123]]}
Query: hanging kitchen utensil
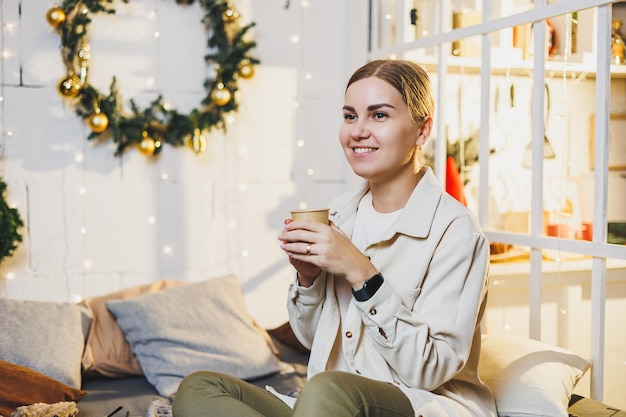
{"points": [[548, 150]]}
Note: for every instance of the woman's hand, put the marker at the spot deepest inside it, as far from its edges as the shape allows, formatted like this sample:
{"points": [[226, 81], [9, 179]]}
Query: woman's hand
{"points": [[313, 247]]}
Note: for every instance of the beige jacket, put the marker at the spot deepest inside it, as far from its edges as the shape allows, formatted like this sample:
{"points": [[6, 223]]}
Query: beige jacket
{"points": [[421, 330]]}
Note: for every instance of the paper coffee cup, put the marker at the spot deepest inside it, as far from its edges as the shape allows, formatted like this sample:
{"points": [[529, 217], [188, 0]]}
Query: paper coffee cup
{"points": [[318, 215]]}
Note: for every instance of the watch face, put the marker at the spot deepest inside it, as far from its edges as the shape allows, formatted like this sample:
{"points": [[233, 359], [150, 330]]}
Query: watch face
{"points": [[369, 288]]}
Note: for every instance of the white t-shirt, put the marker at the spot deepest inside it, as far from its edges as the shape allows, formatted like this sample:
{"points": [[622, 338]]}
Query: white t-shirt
{"points": [[369, 226]]}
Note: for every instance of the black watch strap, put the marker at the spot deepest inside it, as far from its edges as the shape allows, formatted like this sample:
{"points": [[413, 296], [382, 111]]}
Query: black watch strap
{"points": [[369, 288]]}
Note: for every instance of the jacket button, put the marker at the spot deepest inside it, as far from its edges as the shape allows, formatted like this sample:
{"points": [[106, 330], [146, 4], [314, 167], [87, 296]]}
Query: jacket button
{"points": [[373, 311], [348, 334]]}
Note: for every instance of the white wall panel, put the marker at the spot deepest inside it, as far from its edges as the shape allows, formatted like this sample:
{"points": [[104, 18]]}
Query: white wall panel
{"points": [[97, 223]]}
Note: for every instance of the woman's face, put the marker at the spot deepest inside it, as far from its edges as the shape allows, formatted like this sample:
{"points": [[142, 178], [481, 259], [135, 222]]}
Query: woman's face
{"points": [[378, 136]]}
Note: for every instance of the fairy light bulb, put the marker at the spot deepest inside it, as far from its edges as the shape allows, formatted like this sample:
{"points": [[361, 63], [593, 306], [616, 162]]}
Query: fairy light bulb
{"points": [[151, 220], [300, 143]]}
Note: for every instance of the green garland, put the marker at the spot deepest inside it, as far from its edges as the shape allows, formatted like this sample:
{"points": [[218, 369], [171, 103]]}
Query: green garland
{"points": [[10, 225], [157, 123]]}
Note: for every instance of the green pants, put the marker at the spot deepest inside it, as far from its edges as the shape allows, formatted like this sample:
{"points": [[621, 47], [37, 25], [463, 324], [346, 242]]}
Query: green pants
{"points": [[332, 394]]}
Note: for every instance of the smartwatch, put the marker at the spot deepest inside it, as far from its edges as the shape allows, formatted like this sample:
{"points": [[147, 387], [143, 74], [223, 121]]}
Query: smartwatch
{"points": [[369, 288]]}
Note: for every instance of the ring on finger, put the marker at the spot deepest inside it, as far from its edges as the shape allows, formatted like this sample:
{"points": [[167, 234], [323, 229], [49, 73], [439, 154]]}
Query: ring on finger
{"points": [[308, 248]]}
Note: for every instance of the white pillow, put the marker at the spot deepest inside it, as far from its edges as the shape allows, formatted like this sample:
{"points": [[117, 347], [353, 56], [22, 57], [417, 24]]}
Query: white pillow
{"points": [[193, 327], [529, 378], [46, 337]]}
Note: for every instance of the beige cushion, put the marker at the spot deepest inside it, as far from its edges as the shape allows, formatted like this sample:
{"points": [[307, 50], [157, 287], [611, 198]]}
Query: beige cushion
{"points": [[529, 378], [107, 352]]}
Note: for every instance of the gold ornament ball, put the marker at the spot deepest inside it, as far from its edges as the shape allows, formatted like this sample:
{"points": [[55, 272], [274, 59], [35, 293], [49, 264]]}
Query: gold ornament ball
{"points": [[147, 146], [55, 16], [246, 70], [220, 96], [197, 142], [98, 122], [69, 86], [229, 15]]}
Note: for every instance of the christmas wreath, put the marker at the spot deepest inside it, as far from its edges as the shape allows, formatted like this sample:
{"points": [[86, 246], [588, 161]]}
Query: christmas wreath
{"points": [[149, 128], [10, 225]]}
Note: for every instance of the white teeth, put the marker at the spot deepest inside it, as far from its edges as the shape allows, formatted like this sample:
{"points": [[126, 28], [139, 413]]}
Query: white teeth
{"points": [[363, 150]]}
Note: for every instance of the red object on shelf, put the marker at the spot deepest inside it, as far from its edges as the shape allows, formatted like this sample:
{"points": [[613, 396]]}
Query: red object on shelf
{"points": [[454, 183]]}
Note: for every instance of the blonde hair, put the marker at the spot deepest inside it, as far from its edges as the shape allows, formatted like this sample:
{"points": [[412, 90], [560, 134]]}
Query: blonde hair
{"points": [[408, 78]]}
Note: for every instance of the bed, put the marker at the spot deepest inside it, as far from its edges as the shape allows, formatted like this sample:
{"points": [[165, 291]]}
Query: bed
{"points": [[131, 348]]}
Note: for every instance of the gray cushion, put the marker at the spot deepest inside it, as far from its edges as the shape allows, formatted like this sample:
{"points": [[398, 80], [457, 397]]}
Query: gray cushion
{"points": [[199, 326], [46, 337]]}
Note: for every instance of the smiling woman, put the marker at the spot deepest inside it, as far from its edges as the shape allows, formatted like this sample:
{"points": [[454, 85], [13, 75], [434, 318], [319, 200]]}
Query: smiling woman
{"points": [[149, 128]]}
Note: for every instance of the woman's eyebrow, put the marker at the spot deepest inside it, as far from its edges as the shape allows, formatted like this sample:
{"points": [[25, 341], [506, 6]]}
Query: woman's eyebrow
{"points": [[372, 107], [379, 106]]}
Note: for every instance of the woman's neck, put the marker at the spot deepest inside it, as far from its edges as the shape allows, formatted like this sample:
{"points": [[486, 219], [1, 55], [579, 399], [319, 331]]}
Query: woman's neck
{"points": [[391, 196]]}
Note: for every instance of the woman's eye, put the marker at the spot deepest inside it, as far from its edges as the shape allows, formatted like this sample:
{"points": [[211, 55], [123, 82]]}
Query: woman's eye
{"points": [[349, 116], [379, 115]]}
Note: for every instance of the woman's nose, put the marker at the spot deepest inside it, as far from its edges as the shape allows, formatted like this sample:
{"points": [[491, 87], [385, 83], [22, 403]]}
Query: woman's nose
{"points": [[360, 130]]}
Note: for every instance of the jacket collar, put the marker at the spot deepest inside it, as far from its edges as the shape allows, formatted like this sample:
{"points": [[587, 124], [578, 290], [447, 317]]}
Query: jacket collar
{"points": [[416, 218]]}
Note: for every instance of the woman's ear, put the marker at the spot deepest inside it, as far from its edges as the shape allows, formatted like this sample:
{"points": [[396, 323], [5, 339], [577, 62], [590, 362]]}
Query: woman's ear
{"points": [[424, 131]]}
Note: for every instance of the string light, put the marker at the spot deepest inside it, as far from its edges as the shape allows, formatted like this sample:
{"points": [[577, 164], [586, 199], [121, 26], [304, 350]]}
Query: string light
{"points": [[151, 220]]}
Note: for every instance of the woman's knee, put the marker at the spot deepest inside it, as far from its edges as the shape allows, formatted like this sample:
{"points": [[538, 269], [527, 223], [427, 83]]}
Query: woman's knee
{"points": [[326, 385], [197, 387]]}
